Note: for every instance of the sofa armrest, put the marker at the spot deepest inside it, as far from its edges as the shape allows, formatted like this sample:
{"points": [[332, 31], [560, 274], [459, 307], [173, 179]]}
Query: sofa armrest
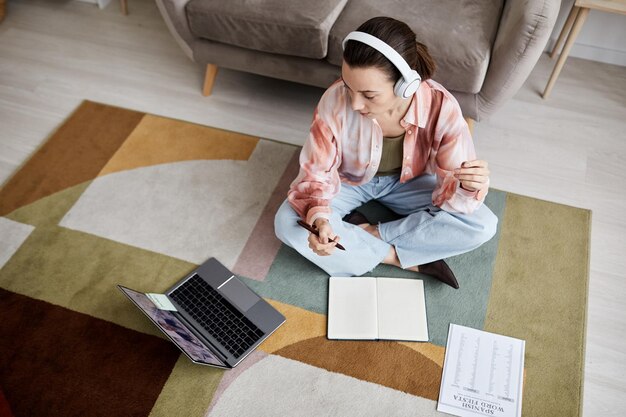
{"points": [[525, 27], [173, 12]]}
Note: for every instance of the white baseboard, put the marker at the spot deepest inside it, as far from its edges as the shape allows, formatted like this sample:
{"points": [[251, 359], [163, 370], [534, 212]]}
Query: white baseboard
{"points": [[609, 56], [103, 3], [594, 53]]}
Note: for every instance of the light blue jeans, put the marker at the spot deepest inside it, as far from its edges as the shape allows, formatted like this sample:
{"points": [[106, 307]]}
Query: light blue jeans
{"points": [[425, 234]]}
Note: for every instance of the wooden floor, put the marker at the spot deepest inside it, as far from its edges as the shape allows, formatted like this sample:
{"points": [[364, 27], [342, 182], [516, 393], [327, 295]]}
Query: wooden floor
{"points": [[570, 149]]}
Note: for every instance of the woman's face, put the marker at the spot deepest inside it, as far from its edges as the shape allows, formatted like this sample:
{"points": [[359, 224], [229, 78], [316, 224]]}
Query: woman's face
{"points": [[370, 90]]}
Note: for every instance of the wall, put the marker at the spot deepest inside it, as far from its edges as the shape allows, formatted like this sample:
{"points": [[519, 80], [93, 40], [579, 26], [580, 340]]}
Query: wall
{"points": [[602, 38]]}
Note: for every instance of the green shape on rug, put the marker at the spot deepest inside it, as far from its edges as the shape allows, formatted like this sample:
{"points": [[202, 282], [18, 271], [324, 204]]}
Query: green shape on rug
{"points": [[51, 209], [80, 271], [539, 294], [294, 280]]}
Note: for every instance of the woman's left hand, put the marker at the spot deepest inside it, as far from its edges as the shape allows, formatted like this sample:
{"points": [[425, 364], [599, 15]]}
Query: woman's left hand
{"points": [[473, 175]]}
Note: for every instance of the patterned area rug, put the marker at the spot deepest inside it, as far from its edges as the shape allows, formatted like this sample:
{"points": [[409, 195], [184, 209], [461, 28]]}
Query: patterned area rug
{"points": [[121, 197]]}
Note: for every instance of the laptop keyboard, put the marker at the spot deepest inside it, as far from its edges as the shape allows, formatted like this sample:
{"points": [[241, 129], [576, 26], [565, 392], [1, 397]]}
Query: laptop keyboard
{"points": [[217, 315]]}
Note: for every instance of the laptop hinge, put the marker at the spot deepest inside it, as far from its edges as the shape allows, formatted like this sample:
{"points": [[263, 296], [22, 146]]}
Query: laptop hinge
{"points": [[191, 328]]}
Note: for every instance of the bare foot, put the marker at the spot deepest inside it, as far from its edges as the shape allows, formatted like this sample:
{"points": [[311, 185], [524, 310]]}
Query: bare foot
{"points": [[372, 229]]}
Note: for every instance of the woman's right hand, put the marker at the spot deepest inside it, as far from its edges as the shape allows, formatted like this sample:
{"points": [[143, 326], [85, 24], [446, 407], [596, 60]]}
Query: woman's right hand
{"points": [[321, 244]]}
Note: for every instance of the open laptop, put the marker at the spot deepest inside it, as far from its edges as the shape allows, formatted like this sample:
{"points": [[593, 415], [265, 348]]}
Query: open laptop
{"points": [[211, 315]]}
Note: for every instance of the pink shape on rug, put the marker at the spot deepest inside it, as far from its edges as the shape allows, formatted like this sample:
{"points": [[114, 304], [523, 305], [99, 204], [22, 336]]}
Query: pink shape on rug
{"points": [[233, 374], [262, 246]]}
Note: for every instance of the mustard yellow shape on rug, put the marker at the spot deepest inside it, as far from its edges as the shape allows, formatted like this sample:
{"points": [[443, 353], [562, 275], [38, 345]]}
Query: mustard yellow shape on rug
{"points": [[303, 324], [158, 140]]}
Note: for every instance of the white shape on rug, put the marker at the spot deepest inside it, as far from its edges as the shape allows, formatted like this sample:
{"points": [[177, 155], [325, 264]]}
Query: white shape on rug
{"points": [[12, 235], [190, 210], [277, 386]]}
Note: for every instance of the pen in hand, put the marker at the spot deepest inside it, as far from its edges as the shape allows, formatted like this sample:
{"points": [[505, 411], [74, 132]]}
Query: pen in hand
{"points": [[317, 233]]}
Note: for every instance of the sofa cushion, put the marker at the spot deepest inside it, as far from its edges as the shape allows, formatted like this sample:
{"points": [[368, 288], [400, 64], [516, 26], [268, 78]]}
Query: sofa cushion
{"points": [[458, 33], [289, 27]]}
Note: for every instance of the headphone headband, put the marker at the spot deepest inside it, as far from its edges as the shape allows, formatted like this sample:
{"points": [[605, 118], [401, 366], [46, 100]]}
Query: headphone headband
{"points": [[409, 83], [389, 53]]}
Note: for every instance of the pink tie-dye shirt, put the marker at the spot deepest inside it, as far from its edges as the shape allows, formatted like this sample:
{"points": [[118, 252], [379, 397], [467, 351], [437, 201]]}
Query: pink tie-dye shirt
{"points": [[344, 146]]}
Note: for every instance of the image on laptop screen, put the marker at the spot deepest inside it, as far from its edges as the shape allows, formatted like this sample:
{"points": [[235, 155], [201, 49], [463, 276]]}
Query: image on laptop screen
{"points": [[174, 329]]}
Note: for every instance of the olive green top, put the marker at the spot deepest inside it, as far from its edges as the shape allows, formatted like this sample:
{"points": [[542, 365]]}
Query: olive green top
{"points": [[391, 158]]}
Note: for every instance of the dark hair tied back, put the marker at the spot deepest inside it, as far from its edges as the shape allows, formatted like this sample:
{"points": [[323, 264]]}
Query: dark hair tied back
{"points": [[400, 37]]}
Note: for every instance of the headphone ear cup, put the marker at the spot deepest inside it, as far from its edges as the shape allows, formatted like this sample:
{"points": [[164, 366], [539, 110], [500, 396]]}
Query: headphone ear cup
{"points": [[399, 88], [406, 88]]}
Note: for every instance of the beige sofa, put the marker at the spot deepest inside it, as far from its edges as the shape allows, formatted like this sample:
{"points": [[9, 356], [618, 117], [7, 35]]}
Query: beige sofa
{"points": [[484, 49]]}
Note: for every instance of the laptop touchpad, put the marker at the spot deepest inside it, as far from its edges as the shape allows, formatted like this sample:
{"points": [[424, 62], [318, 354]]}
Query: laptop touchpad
{"points": [[239, 294]]}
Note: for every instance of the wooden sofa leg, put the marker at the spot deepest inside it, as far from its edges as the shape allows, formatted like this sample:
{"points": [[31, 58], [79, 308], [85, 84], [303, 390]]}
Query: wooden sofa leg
{"points": [[209, 79], [124, 7], [470, 124]]}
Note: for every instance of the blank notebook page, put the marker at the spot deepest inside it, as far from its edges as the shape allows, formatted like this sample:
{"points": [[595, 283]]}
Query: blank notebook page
{"points": [[401, 309], [352, 308]]}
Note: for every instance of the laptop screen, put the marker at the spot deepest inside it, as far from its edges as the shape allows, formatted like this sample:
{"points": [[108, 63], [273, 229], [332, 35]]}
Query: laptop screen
{"points": [[174, 329]]}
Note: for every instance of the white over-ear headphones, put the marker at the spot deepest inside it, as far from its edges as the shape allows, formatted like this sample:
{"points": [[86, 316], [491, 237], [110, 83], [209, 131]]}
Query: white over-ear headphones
{"points": [[408, 84]]}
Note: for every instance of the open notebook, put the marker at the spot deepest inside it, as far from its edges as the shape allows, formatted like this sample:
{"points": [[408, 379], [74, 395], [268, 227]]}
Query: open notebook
{"points": [[376, 308]]}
